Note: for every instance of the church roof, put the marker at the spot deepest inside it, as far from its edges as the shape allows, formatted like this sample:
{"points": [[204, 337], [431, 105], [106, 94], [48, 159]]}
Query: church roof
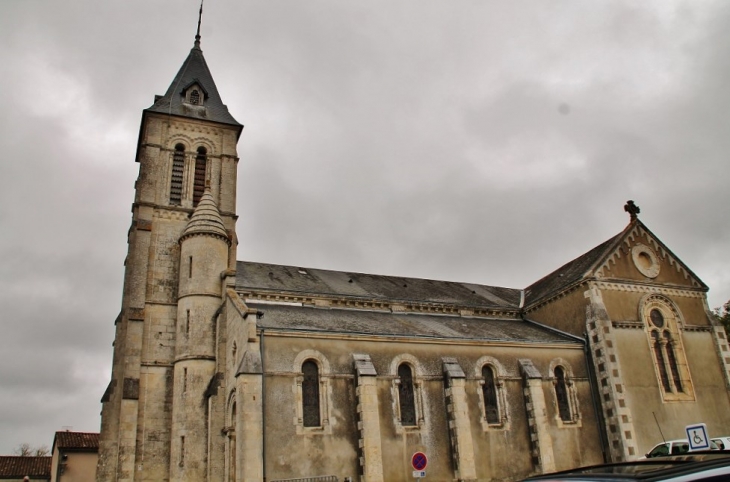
{"points": [[411, 325], [272, 277], [194, 70], [206, 219], [568, 273]]}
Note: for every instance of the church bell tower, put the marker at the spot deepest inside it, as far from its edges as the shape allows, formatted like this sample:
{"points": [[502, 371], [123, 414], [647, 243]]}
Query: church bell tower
{"points": [[181, 239]]}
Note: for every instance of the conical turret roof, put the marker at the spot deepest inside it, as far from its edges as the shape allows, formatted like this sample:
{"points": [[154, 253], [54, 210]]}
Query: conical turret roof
{"points": [[194, 70], [206, 219]]}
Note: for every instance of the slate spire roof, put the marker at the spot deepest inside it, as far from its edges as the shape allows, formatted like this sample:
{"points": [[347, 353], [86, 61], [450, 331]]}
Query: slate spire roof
{"points": [[194, 71]]}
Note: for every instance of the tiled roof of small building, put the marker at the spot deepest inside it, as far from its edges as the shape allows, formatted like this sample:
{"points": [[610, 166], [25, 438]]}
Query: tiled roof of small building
{"points": [[76, 440], [369, 323], [19, 467], [271, 277], [194, 70]]}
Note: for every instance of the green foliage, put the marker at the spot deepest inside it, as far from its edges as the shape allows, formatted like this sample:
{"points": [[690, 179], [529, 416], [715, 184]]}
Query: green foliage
{"points": [[723, 314]]}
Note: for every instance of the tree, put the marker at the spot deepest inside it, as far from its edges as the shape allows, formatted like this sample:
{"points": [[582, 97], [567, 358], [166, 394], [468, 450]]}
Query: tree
{"points": [[26, 450], [723, 314]]}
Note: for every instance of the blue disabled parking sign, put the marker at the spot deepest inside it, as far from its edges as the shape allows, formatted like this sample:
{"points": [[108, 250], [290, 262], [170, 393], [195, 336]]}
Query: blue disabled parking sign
{"points": [[697, 437]]}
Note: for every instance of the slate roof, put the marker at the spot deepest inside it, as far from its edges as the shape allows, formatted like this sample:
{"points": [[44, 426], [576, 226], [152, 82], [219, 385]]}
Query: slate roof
{"points": [[194, 69], [272, 277], [362, 322], [568, 273], [18, 467], [76, 440]]}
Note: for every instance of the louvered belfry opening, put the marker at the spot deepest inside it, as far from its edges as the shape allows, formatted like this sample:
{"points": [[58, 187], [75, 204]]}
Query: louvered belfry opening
{"points": [[406, 398], [490, 395], [310, 394], [176, 179], [199, 181], [195, 97]]}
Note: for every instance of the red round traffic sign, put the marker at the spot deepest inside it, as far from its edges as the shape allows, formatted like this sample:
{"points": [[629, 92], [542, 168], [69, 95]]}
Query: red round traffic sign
{"points": [[419, 461]]}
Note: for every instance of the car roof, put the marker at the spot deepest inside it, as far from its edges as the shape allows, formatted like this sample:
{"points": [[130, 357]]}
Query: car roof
{"points": [[664, 468]]}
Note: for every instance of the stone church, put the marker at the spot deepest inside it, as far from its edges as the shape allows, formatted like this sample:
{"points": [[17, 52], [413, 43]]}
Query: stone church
{"points": [[227, 370]]}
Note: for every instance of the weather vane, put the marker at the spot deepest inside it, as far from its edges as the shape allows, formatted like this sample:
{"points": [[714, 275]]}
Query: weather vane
{"points": [[200, 17], [632, 209]]}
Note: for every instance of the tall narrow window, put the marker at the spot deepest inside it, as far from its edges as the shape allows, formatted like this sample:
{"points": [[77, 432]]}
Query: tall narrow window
{"points": [[672, 359], [310, 394], [176, 179], [199, 181], [182, 451], [195, 97], [561, 393], [491, 407], [232, 454], [660, 361], [406, 396]]}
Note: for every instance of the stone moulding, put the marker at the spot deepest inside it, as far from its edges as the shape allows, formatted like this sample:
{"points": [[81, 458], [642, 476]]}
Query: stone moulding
{"points": [[647, 288], [378, 305]]}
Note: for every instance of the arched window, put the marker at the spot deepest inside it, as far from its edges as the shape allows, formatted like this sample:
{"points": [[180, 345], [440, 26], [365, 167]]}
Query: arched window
{"points": [[310, 394], [199, 182], [176, 179], [489, 390], [406, 396], [661, 319], [562, 395], [195, 97]]}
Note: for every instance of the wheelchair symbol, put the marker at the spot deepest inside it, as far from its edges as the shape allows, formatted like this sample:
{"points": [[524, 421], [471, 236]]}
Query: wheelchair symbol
{"points": [[696, 438]]}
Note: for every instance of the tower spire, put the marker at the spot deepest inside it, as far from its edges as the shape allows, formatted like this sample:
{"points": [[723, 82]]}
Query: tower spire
{"points": [[200, 17]]}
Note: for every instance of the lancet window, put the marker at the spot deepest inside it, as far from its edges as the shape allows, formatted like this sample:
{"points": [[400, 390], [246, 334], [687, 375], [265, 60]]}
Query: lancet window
{"points": [[491, 397], [406, 395], [310, 394], [562, 395], [661, 322]]}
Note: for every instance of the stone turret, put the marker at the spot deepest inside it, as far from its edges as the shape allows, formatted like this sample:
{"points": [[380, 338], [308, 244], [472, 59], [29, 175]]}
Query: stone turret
{"points": [[204, 247], [187, 142]]}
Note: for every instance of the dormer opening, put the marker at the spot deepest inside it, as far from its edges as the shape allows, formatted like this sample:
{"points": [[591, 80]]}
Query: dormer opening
{"points": [[194, 94], [195, 97]]}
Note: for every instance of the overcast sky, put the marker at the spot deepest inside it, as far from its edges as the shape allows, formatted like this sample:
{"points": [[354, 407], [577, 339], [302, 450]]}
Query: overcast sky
{"points": [[478, 141]]}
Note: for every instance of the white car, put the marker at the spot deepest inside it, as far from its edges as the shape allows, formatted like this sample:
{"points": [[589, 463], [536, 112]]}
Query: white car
{"points": [[674, 447], [722, 442]]}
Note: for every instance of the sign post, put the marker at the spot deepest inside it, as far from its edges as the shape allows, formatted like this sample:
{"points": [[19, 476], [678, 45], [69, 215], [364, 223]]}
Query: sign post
{"points": [[697, 437], [419, 461]]}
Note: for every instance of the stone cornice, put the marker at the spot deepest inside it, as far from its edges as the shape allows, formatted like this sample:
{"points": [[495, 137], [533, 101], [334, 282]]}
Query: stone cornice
{"points": [[343, 302], [638, 325], [420, 340], [638, 287]]}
